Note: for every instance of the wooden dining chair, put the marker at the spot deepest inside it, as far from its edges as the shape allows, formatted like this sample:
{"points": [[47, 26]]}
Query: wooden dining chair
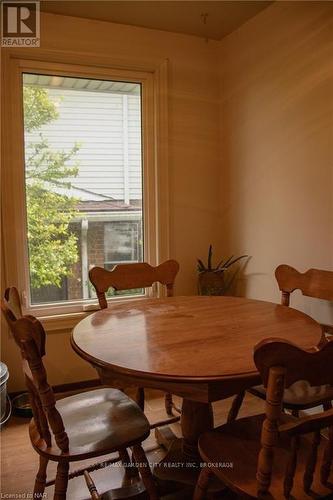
{"points": [[317, 284], [136, 276], [275, 455], [79, 427]]}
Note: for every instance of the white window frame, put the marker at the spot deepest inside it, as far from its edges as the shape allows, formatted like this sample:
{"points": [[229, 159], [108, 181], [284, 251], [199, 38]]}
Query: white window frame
{"points": [[153, 80]]}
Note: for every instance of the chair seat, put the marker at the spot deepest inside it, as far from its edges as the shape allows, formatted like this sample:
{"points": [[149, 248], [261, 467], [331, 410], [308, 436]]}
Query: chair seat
{"points": [[238, 443], [97, 422], [300, 395]]}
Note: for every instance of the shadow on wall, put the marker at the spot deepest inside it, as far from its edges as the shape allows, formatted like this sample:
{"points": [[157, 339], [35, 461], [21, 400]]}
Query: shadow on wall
{"points": [[238, 287]]}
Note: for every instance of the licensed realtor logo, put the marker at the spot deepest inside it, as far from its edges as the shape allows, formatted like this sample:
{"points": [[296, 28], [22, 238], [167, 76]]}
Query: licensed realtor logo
{"points": [[20, 22]]}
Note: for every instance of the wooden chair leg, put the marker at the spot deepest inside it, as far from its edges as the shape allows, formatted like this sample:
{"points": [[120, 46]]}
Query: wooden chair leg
{"points": [[168, 404], [144, 469], [235, 407], [291, 467], [40, 477], [327, 458], [311, 462], [91, 486], [202, 484], [140, 398], [130, 470], [61, 481]]}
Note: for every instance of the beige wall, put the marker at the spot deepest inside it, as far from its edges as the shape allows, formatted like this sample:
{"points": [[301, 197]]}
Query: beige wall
{"points": [[193, 151], [276, 147], [259, 183]]}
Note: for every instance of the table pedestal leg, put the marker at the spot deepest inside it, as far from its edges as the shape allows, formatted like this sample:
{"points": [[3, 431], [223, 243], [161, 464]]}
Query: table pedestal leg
{"points": [[196, 419], [182, 461]]}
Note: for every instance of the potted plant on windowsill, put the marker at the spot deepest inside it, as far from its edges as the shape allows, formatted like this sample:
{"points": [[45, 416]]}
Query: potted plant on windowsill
{"points": [[212, 280]]}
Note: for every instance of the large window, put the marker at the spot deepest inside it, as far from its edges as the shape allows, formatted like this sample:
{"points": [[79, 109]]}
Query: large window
{"points": [[83, 181], [85, 149]]}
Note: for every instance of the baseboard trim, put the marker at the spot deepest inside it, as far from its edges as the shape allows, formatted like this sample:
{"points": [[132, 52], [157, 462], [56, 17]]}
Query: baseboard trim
{"points": [[71, 386]]}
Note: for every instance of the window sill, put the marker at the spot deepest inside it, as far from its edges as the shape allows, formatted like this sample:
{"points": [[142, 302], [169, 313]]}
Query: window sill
{"points": [[61, 323]]}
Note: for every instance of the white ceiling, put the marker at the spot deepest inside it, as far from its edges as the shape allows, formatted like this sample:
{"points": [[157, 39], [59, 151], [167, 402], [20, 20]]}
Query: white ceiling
{"points": [[208, 19]]}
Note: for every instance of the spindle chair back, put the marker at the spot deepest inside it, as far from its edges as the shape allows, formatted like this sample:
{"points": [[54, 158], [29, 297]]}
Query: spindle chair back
{"points": [[275, 455], [281, 364], [29, 335]]}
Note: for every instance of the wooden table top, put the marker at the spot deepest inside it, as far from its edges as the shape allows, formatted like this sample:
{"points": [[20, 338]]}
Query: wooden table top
{"points": [[187, 338]]}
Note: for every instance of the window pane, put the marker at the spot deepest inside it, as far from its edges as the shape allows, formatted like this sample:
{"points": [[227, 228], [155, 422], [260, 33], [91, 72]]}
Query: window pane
{"points": [[83, 181], [122, 242]]}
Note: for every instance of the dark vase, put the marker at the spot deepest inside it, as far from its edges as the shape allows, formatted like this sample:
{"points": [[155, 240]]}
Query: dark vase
{"points": [[211, 283]]}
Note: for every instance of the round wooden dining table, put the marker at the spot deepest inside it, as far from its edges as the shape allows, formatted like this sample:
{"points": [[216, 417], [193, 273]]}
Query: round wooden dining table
{"points": [[199, 348]]}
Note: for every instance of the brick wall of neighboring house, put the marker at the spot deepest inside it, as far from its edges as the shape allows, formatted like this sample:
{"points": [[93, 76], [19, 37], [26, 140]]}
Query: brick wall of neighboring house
{"points": [[95, 244], [74, 286]]}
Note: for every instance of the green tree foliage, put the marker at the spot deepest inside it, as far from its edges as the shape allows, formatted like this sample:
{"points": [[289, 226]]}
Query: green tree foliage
{"points": [[52, 247], [38, 108]]}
